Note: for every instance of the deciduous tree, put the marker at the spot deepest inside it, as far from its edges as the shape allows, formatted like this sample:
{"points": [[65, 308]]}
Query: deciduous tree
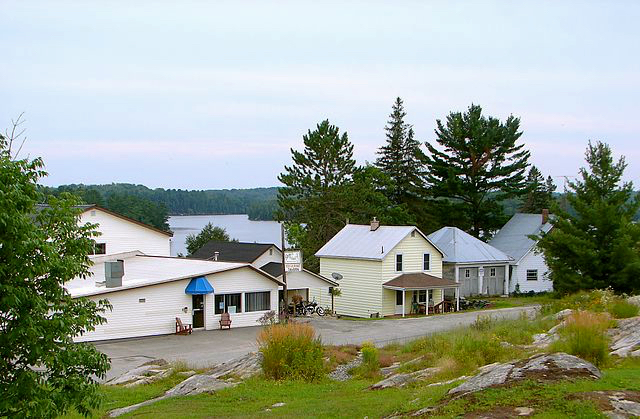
{"points": [[597, 245]]}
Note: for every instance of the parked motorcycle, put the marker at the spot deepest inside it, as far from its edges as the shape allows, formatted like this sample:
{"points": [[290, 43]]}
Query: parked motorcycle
{"points": [[313, 307]]}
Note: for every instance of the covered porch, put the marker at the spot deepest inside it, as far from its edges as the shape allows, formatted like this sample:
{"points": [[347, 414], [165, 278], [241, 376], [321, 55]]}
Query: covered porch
{"points": [[420, 293]]}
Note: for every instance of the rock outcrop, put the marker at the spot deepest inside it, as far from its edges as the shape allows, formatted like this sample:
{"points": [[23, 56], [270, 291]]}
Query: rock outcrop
{"points": [[625, 338], [401, 380], [546, 367], [144, 374]]}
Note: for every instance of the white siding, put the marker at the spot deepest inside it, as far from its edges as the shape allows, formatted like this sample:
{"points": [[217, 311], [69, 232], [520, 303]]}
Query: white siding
{"points": [[361, 285], [412, 249], [263, 259], [238, 281], [164, 302], [531, 260], [124, 236]]}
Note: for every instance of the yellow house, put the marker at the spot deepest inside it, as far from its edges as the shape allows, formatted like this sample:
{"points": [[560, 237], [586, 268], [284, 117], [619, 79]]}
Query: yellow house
{"points": [[385, 271]]}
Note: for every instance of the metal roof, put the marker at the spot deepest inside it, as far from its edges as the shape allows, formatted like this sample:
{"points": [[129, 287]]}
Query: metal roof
{"points": [[513, 238], [359, 242], [232, 251], [141, 270], [461, 247], [275, 270], [419, 280]]}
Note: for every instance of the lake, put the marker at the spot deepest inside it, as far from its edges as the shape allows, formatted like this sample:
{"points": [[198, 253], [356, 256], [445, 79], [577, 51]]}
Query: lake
{"points": [[238, 227]]}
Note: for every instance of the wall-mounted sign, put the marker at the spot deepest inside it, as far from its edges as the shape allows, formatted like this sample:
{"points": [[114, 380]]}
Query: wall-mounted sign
{"points": [[481, 271], [292, 260]]}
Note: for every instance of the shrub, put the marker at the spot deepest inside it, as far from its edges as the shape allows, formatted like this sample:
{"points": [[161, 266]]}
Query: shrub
{"points": [[584, 335], [623, 309], [268, 319], [291, 351], [370, 362]]}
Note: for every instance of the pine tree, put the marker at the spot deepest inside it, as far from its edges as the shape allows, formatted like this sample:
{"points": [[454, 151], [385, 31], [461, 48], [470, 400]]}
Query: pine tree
{"points": [[599, 246], [477, 165], [540, 192], [402, 161]]}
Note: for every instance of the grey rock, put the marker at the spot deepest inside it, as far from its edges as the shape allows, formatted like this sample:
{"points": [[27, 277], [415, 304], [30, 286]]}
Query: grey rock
{"points": [[541, 367], [523, 411], [341, 373], [187, 373], [278, 404], [142, 374], [625, 338], [561, 315], [401, 380], [634, 300]]}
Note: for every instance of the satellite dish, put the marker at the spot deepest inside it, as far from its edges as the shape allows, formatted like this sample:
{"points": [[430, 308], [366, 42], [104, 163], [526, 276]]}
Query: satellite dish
{"points": [[336, 276]]}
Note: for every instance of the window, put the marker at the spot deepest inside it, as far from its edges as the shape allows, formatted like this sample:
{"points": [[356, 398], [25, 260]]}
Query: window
{"points": [[422, 296], [426, 262], [413, 233], [99, 248], [467, 273], [270, 252], [492, 272], [532, 274], [227, 303], [257, 301], [399, 262], [330, 290], [142, 300]]}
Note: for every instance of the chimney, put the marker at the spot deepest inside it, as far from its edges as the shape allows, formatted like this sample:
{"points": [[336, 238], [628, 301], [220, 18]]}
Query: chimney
{"points": [[545, 216], [215, 255], [113, 273], [375, 224]]}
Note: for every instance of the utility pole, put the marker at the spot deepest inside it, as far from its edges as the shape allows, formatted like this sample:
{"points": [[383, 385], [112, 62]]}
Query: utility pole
{"points": [[284, 271]]}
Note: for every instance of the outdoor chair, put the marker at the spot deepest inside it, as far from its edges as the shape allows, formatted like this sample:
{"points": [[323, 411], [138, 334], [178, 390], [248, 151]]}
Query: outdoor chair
{"points": [[225, 320], [183, 328]]}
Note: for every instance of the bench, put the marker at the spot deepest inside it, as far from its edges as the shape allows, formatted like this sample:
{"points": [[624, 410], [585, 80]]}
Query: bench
{"points": [[182, 328], [225, 320]]}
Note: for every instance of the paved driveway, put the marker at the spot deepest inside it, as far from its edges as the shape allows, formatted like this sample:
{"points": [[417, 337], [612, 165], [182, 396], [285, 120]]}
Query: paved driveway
{"points": [[205, 348]]}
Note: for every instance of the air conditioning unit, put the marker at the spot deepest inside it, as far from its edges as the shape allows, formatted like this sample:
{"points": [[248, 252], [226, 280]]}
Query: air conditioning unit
{"points": [[113, 273]]}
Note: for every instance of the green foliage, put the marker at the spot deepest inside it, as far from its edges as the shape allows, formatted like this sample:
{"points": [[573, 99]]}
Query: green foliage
{"points": [[402, 161], [540, 192], [43, 373], [208, 233], [291, 351], [623, 309], [140, 209], [598, 245], [477, 165], [323, 188], [584, 335], [370, 366]]}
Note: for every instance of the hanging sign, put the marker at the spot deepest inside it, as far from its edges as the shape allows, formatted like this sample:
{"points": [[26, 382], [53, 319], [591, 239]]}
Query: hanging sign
{"points": [[293, 260]]}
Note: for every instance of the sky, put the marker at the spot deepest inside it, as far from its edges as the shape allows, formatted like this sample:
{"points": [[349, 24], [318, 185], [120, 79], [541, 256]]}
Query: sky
{"points": [[213, 95]]}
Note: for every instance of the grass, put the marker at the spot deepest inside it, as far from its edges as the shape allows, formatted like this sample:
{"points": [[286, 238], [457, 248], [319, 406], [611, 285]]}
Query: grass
{"points": [[584, 335]]}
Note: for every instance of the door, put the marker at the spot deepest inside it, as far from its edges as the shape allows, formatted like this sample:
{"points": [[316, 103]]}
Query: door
{"points": [[399, 302], [198, 310]]}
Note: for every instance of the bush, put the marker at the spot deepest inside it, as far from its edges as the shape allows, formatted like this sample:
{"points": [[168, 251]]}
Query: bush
{"points": [[623, 309], [584, 335], [291, 351], [370, 362]]}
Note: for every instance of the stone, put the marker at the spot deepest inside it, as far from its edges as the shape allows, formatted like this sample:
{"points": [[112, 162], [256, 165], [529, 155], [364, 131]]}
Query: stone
{"points": [[278, 404], [386, 371], [401, 380], [144, 374], [341, 373], [523, 411], [625, 338], [545, 367], [634, 300], [614, 403], [187, 373], [561, 315]]}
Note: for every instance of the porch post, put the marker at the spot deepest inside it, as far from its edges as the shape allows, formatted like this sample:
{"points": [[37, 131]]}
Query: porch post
{"points": [[457, 291], [403, 300], [506, 279]]}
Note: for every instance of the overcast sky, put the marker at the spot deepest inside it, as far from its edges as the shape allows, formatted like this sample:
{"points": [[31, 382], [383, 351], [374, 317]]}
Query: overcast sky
{"points": [[209, 95]]}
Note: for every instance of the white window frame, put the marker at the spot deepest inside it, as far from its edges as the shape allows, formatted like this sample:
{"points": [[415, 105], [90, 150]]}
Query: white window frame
{"points": [[401, 262], [527, 274], [244, 302], [428, 255]]}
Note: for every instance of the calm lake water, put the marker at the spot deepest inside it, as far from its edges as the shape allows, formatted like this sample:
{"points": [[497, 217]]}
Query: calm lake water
{"points": [[238, 227]]}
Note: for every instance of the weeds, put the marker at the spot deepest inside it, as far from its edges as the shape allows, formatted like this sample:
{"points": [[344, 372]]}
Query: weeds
{"points": [[584, 335], [623, 309]]}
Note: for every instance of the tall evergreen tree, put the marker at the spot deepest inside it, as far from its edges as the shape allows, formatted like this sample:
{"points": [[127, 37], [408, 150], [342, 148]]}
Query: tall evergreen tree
{"points": [[599, 246], [402, 161], [477, 165], [540, 192]]}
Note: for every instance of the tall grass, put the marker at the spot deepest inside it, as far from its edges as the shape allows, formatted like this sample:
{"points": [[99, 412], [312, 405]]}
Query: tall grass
{"points": [[623, 309], [584, 335], [291, 351], [597, 301], [370, 361]]}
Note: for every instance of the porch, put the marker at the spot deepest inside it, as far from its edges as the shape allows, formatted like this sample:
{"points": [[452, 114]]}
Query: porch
{"points": [[420, 293]]}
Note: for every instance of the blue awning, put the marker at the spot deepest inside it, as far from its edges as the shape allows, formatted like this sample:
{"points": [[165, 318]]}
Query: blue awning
{"points": [[199, 286]]}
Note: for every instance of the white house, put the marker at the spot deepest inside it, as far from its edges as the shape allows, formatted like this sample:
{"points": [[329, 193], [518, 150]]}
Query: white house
{"points": [[479, 267], [384, 270], [122, 234], [268, 257], [529, 271], [151, 291]]}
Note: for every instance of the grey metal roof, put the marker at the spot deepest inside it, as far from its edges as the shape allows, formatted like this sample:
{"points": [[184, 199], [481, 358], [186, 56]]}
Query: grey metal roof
{"points": [[461, 247], [359, 242], [275, 270], [231, 251], [513, 238]]}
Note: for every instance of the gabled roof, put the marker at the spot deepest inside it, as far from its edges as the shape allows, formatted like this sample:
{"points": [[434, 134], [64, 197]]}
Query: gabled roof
{"points": [[359, 242], [419, 280], [461, 247], [513, 238], [275, 270], [232, 251]]}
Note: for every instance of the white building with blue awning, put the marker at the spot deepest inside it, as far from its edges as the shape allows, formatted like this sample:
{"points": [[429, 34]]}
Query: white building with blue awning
{"points": [[148, 293]]}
